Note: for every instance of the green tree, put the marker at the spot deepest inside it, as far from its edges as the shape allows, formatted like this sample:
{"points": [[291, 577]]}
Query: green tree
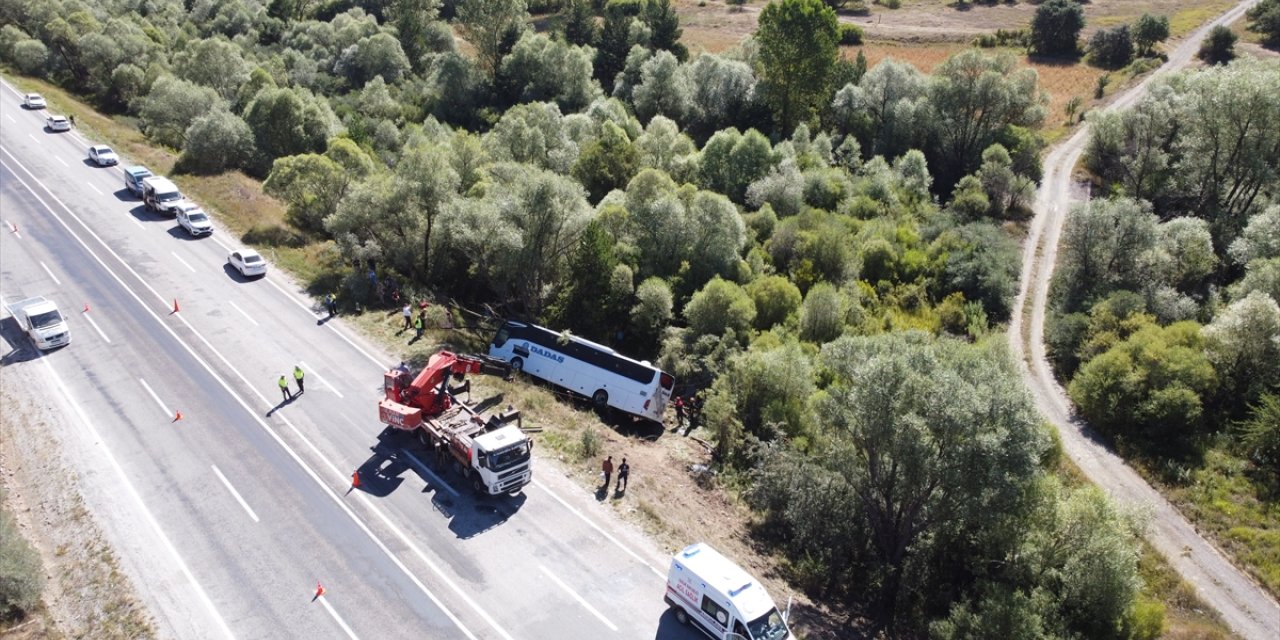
{"points": [[172, 105], [885, 109], [215, 63], [1056, 28], [724, 93], [583, 304], [1260, 238], [311, 185], [1151, 388], [980, 261], [288, 122], [652, 311], [769, 389], [718, 307], [664, 23], [579, 25], [799, 46], [1260, 434], [540, 69], [1148, 31], [413, 19], [1243, 343], [1111, 48], [613, 45], [607, 162], [973, 98], [776, 299], [216, 142], [822, 314], [431, 185], [31, 57], [485, 23], [1219, 47], [1264, 18], [663, 90], [1106, 245]]}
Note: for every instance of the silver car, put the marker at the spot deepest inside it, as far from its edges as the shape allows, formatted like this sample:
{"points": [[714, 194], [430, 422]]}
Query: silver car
{"points": [[57, 123], [103, 156]]}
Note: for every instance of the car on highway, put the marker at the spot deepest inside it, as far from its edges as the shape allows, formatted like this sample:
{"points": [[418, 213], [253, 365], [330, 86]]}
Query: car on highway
{"points": [[103, 156], [133, 177], [41, 320], [195, 220], [247, 262], [57, 123], [33, 101]]}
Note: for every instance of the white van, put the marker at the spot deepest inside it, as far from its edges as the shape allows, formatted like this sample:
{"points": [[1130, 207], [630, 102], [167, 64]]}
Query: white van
{"points": [[718, 597]]}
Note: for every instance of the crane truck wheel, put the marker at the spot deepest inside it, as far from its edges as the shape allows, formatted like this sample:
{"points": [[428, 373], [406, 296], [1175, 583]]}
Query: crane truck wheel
{"points": [[478, 485], [517, 365], [600, 399], [424, 438], [682, 616]]}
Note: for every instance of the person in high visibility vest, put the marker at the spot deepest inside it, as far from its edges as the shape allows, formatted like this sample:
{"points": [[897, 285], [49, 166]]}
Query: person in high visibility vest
{"points": [[284, 388], [297, 375]]}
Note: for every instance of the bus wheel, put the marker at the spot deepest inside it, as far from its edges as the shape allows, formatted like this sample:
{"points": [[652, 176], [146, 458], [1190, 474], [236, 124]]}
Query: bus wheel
{"points": [[517, 365], [600, 399], [681, 615]]}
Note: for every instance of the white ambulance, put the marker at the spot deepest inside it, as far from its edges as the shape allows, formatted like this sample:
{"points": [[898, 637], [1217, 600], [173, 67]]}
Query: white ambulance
{"points": [[718, 597]]}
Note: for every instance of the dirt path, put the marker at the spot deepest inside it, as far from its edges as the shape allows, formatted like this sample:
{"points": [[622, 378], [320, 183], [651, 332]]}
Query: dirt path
{"points": [[1243, 605]]}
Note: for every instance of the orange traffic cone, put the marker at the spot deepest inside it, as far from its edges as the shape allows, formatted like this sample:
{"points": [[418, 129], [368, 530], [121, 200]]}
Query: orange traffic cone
{"points": [[355, 479], [319, 590], [175, 306], [177, 415]]}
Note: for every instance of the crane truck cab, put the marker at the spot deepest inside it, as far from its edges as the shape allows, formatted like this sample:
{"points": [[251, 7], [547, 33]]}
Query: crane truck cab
{"points": [[160, 194], [709, 591], [491, 453], [42, 321]]}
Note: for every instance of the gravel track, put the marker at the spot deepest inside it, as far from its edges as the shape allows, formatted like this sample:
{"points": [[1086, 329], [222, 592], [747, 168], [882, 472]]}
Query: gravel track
{"points": [[1244, 605]]}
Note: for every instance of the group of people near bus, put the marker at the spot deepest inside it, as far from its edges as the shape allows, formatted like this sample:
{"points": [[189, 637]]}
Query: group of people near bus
{"points": [[690, 408]]}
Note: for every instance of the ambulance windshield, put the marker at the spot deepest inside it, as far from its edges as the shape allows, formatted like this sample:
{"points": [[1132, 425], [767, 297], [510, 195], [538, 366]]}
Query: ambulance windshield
{"points": [[769, 626]]}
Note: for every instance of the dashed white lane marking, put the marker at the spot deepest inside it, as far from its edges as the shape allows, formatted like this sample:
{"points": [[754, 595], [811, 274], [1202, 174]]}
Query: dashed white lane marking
{"points": [[137, 498], [160, 402], [64, 162], [337, 618], [97, 328], [95, 189], [184, 262], [311, 472], [11, 119], [586, 605], [247, 316], [227, 484], [435, 479], [32, 136], [48, 271], [306, 368], [595, 526]]}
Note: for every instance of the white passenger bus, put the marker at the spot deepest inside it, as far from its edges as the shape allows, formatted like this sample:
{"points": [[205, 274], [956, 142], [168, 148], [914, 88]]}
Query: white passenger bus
{"points": [[593, 370]]}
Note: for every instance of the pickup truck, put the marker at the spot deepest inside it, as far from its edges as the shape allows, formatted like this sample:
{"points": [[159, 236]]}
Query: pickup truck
{"points": [[40, 319]]}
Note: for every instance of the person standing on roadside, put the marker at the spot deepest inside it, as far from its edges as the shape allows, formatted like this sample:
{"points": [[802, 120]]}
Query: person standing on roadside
{"points": [[418, 326], [408, 316], [679, 412], [624, 470], [298, 375], [284, 388], [607, 468], [331, 303]]}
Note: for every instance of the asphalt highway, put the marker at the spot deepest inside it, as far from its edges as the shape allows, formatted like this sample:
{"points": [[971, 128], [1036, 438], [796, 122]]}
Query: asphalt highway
{"points": [[228, 517]]}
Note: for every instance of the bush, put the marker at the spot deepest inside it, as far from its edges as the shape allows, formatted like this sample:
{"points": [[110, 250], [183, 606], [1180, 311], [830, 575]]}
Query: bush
{"points": [[588, 444], [1265, 19], [1111, 48], [1219, 47], [850, 34], [1055, 27], [21, 575]]}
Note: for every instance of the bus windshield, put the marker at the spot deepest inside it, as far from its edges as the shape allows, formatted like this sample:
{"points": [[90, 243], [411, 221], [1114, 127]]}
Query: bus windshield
{"points": [[769, 626]]}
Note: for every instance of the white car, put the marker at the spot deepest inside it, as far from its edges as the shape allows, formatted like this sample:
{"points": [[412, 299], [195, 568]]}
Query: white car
{"points": [[197, 223], [33, 101], [41, 320], [103, 156], [247, 262], [57, 123]]}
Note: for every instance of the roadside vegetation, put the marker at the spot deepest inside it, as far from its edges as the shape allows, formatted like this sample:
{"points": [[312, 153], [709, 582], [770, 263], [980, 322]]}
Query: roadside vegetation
{"points": [[818, 247], [1166, 323]]}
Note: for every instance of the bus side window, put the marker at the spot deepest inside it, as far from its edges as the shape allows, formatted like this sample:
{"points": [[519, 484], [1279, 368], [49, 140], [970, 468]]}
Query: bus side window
{"points": [[501, 338]]}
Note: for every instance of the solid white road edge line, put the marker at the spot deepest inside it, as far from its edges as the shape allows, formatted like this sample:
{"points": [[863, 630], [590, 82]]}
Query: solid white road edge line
{"points": [[314, 316], [337, 618], [244, 405], [46, 270], [133, 493], [602, 532], [160, 402], [309, 370], [436, 480], [227, 484], [132, 219], [96, 327], [184, 262], [586, 605], [246, 316]]}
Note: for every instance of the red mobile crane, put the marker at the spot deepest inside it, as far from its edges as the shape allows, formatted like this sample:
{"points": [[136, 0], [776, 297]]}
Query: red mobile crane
{"points": [[492, 453]]}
